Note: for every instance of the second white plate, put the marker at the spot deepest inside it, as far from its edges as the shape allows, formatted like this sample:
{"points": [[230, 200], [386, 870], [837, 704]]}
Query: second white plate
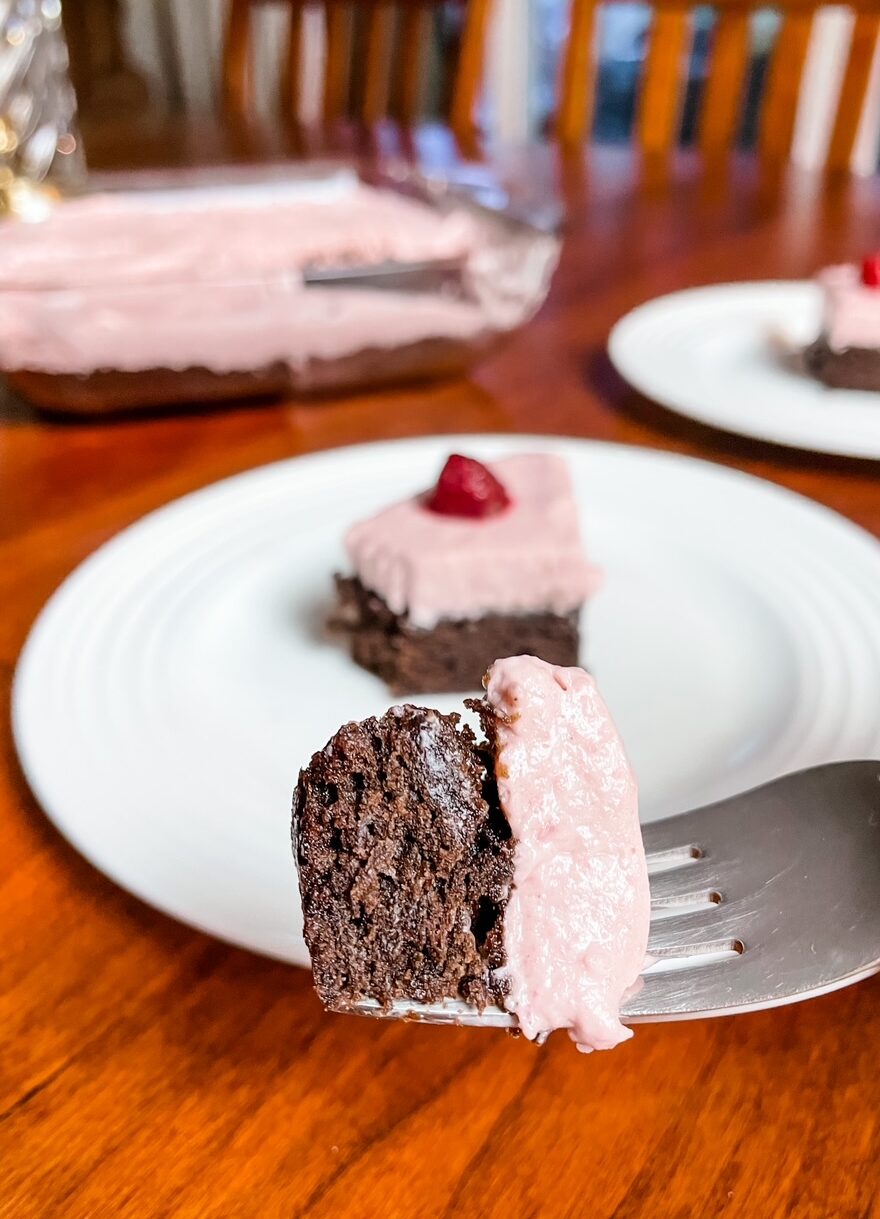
{"points": [[715, 355], [176, 682]]}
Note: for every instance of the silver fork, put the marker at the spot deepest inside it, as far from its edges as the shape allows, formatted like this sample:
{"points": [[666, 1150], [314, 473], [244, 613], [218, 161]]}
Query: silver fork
{"points": [[767, 898]]}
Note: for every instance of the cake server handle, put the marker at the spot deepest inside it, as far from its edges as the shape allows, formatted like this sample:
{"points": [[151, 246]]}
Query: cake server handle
{"points": [[426, 277]]}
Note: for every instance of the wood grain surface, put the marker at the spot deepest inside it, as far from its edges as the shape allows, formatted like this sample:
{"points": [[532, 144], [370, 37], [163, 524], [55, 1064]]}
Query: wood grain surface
{"points": [[148, 1071]]}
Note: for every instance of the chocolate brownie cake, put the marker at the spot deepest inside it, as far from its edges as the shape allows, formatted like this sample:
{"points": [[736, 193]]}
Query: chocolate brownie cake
{"points": [[134, 298], [110, 390], [488, 563], [145, 298], [507, 872], [847, 353]]}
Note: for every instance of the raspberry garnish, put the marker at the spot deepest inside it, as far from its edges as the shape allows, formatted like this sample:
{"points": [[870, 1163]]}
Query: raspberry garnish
{"points": [[871, 271], [467, 488]]}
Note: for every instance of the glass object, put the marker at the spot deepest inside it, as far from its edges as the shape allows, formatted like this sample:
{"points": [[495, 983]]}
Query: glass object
{"points": [[87, 333], [39, 145]]}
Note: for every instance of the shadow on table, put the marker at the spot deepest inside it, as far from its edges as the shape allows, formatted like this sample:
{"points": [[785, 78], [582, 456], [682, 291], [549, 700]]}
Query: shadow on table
{"points": [[14, 410], [602, 377]]}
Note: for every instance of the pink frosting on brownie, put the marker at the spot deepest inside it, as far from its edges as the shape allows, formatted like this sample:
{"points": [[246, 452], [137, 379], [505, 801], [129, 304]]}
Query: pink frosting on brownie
{"points": [[134, 282], [133, 239], [851, 310], [527, 559], [576, 924], [222, 327]]}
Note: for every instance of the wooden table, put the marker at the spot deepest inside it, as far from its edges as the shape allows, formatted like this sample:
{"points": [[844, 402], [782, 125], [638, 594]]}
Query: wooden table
{"points": [[149, 1071]]}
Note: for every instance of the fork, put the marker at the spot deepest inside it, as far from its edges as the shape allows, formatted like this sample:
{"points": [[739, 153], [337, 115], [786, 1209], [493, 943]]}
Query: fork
{"points": [[763, 899]]}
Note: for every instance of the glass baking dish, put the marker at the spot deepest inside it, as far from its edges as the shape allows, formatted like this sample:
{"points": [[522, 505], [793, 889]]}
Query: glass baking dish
{"points": [[193, 296]]}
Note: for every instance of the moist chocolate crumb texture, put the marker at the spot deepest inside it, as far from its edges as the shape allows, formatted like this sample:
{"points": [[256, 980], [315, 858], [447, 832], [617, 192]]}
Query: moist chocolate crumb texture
{"points": [[508, 871], [488, 563], [405, 862], [847, 353]]}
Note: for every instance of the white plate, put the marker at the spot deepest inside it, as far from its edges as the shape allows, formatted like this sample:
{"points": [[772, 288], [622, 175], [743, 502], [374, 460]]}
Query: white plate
{"points": [[726, 355], [175, 683]]}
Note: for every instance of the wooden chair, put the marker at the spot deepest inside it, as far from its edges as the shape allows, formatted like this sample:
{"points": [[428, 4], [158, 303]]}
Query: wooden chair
{"points": [[662, 86], [388, 83], [104, 79]]}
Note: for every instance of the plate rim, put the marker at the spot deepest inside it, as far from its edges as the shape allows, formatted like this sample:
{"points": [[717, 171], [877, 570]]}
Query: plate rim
{"points": [[785, 435]]}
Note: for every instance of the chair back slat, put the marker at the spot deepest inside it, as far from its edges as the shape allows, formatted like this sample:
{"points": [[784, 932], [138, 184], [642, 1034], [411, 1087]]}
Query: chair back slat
{"points": [[291, 75], [659, 108], [415, 24], [854, 90], [337, 65], [377, 62], [469, 71], [236, 58], [577, 86], [728, 64], [779, 108]]}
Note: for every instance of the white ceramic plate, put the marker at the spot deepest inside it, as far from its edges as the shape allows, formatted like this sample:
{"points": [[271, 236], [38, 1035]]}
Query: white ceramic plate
{"points": [[727, 355], [175, 683]]}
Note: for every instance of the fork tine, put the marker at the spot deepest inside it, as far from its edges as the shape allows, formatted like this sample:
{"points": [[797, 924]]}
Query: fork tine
{"points": [[699, 927], [797, 863], [686, 885], [444, 1011], [673, 835], [681, 992]]}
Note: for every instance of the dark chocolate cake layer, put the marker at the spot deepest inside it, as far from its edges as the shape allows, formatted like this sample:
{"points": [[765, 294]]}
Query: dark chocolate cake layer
{"points": [[452, 656], [852, 368], [108, 390], [405, 862]]}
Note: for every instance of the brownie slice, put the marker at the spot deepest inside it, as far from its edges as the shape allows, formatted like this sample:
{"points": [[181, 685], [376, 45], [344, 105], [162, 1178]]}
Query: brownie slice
{"points": [[852, 368], [451, 656], [405, 862]]}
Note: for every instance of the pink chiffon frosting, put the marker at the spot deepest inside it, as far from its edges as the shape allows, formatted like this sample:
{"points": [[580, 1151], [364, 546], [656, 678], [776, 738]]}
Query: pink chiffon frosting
{"points": [[851, 309], [133, 238], [529, 558], [222, 327], [213, 280], [576, 924]]}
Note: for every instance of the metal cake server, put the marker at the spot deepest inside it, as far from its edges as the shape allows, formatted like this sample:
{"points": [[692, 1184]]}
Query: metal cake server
{"points": [[432, 275], [766, 898]]}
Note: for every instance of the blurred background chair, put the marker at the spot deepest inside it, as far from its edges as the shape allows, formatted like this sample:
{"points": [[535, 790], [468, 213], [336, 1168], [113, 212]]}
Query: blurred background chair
{"points": [[802, 80], [375, 55], [700, 78]]}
